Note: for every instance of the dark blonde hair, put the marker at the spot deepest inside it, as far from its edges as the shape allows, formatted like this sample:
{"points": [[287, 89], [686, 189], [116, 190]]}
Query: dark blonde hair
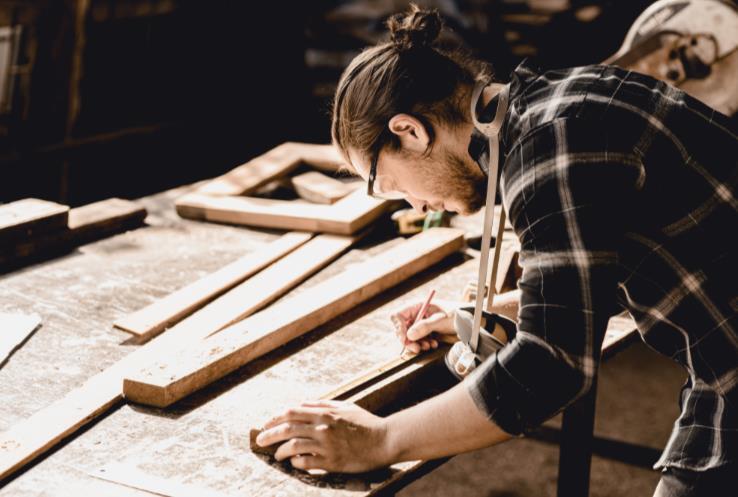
{"points": [[408, 74]]}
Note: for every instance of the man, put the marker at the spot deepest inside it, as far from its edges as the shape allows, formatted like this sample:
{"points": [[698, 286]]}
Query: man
{"points": [[622, 192]]}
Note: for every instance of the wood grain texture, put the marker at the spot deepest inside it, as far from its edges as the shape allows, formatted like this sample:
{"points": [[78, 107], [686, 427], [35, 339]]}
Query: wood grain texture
{"points": [[14, 330], [31, 438], [345, 217], [319, 188], [85, 224], [275, 163], [155, 318], [31, 217], [191, 368]]}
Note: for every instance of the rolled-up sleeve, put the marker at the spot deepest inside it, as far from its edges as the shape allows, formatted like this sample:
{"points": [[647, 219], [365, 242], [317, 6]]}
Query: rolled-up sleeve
{"points": [[567, 186]]}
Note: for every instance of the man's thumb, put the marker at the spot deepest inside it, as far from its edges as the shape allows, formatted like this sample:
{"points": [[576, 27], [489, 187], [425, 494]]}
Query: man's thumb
{"points": [[425, 326]]}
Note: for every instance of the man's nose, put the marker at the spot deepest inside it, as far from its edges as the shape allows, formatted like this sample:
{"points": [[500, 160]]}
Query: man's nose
{"points": [[419, 206]]}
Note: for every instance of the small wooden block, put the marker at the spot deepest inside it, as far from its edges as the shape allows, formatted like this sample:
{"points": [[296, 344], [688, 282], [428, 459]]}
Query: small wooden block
{"points": [[321, 189], [30, 217]]}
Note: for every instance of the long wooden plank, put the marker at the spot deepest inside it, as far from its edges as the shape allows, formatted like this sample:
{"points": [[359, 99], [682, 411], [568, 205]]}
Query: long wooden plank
{"points": [[148, 322], [86, 224], [345, 217], [14, 330], [266, 286], [275, 163], [31, 217], [193, 367]]}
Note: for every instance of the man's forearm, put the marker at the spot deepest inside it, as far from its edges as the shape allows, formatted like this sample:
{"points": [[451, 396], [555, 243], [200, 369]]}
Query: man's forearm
{"points": [[447, 424]]}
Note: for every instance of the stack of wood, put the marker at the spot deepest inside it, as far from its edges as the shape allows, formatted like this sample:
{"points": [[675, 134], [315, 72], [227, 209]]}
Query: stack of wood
{"points": [[31, 229]]}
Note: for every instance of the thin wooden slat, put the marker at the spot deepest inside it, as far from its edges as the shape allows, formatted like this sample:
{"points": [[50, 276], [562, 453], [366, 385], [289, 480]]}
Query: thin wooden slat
{"points": [[191, 368], [14, 330], [318, 188], [266, 286], [347, 216], [86, 224], [148, 322], [29, 218]]}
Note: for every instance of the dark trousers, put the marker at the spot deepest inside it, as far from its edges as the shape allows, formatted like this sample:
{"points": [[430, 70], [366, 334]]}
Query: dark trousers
{"points": [[719, 482]]}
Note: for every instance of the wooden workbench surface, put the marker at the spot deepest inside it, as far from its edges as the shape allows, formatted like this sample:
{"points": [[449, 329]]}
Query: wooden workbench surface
{"points": [[202, 440]]}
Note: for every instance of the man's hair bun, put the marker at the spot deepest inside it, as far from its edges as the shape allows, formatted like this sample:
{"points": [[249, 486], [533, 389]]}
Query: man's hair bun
{"points": [[415, 29]]}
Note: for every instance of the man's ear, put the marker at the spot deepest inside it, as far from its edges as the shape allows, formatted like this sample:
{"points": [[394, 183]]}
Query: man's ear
{"points": [[411, 132]]}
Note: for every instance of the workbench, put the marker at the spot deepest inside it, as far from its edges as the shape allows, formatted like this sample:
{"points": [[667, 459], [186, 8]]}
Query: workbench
{"points": [[201, 441]]}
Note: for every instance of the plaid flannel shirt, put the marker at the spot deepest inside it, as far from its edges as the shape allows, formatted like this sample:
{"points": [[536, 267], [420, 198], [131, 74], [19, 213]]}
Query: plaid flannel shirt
{"points": [[622, 191]]}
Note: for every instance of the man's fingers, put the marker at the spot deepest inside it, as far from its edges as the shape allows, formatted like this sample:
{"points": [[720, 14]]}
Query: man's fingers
{"points": [[306, 462], [296, 447], [285, 431], [297, 414], [400, 327], [322, 403], [426, 326]]}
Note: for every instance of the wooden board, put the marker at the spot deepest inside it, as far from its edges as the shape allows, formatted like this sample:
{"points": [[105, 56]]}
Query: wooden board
{"points": [[266, 286], [31, 217], [155, 318], [14, 330], [319, 188], [86, 224], [189, 369], [277, 162], [345, 217]]}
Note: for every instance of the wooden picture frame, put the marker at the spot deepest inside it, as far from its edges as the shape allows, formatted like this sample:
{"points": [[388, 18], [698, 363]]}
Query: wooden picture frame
{"points": [[226, 199]]}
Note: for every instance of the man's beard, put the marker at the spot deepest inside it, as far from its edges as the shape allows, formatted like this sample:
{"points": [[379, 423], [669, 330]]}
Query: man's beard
{"points": [[462, 181]]}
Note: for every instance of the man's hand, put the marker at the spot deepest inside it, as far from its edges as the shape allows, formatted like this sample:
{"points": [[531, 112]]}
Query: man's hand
{"points": [[330, 435], [439, 318]]}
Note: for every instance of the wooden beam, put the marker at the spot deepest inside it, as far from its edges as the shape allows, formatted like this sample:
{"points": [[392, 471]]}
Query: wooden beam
{"points": [[14, 330], [86, 224], [277, 162], [148, 322], [345, 217], [189, 369], [31, 217], [318, 188]]}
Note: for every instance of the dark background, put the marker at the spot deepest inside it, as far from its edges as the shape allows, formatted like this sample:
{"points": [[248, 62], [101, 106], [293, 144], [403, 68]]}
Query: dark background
{"points": [[126, 98]]}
